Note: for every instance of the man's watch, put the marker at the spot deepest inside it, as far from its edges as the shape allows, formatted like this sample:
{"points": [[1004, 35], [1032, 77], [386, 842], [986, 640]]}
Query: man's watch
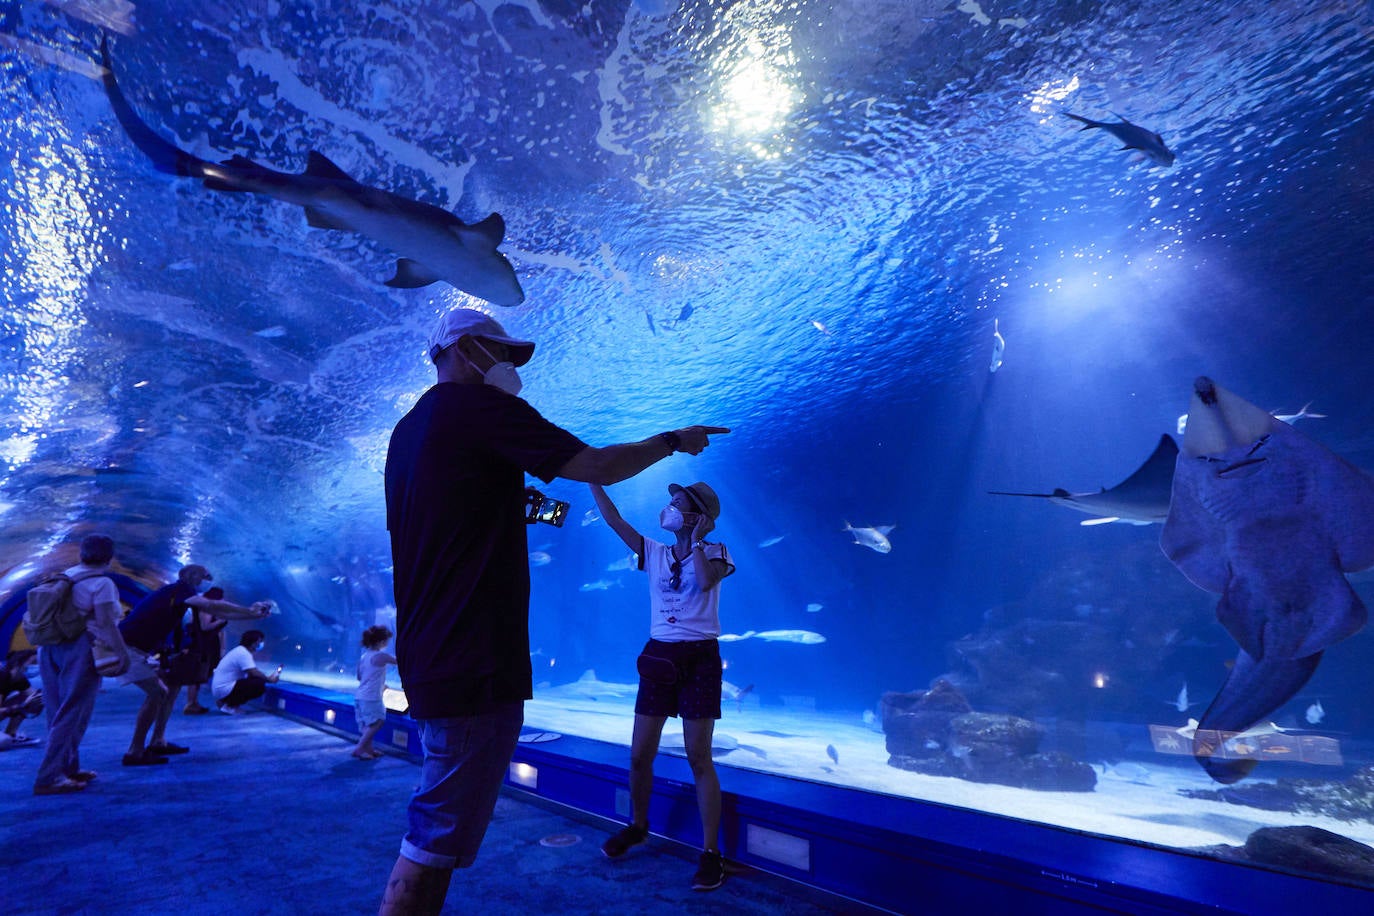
{"points": [[673, 440], [698, 545]]}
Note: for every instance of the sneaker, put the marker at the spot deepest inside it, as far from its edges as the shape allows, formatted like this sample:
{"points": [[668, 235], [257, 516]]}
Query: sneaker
{"points": [[143, 758], [618, 845], [7, 742], [167, 749], [194, 709], [710, 871], [61, 787], [84, 776]]}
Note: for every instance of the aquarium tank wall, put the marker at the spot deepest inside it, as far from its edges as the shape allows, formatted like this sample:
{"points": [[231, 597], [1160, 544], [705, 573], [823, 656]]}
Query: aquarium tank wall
{"points": [[923, 258]]}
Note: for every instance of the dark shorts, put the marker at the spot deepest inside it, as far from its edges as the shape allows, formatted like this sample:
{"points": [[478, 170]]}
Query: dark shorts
{"points": [[695, 694]]}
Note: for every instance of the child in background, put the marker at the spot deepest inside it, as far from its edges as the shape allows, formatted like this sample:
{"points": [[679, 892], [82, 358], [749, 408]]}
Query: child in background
{"points": [[371, 682]]}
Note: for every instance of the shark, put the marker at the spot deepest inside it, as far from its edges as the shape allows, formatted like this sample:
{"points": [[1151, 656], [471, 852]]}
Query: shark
{"points": [[1271, 521], [1132, 136], [434, 244], [1141, 499]]}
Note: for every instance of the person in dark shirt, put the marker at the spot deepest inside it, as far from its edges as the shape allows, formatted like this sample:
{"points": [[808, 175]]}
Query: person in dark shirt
{"points": [[146, 630], [456, 511]]}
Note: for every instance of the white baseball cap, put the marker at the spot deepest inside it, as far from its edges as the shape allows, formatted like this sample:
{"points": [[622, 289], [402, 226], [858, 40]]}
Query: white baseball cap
{"points": [[464, 322]]}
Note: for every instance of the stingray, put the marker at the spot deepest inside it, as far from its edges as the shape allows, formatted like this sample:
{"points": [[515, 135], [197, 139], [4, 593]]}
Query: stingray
{"points": [[1141, 499], [1271, 521]]}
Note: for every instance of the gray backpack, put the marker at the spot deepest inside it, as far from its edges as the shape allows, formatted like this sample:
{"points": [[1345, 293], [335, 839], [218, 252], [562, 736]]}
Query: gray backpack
{"points": [[52, 616]]}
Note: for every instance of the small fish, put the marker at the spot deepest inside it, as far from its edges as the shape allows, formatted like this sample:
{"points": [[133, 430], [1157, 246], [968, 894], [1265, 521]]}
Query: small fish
{"points": [[1132, 136], [874, 538], [819, 326], [1291, 418], [813, 607], [804, 637], [999, 346], [540, 558], [600, 585], [590, 518], [1182, 423], [739, 695], [1315, 713], [275, 331], [832, 753], [1181, 702], [769, 542], [734, 637], [870, 717], [623, 564]]}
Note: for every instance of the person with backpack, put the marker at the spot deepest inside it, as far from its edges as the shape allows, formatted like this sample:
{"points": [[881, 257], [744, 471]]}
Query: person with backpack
{"points": [[67, 618]]}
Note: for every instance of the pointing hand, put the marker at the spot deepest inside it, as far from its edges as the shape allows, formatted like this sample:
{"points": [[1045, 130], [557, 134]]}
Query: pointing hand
{"points": [[695, 438]]}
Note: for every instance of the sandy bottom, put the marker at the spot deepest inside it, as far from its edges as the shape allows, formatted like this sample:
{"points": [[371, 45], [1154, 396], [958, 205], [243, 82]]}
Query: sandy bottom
{"points": [[1137, 800]]}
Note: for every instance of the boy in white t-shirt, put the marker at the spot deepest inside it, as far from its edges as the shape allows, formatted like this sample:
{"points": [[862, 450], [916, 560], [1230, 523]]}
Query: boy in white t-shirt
{"points": [[680, 669]]}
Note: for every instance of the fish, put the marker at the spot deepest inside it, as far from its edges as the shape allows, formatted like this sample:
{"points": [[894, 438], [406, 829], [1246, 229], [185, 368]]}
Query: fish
{"points": [[832, 753], [813, 607], [1141, 499], [1132, 136], [999, 345], [1315, 713], [275, 331], [731, 692], [874, 538], [590, 518], [52, 56], [735, 637], [1182, 423], [804, 637], [870, 717], [600, 585], [434, 244], [1291, 418], [624, 563], [1181, 702], [1271, 521], [540, 558], [769, 542]]}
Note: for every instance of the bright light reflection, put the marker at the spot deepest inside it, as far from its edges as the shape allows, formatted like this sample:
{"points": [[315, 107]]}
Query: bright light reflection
{"points": [[755, 95], [1053, 91]]}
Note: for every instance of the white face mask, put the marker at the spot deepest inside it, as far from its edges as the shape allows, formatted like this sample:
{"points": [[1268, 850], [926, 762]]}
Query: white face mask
{"points": [[501, 375], [670, 518], [203, 587]]}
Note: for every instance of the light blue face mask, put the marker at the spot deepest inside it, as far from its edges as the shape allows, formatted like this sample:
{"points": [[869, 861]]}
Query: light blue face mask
{"points": [[203, 587], [258, 647]]}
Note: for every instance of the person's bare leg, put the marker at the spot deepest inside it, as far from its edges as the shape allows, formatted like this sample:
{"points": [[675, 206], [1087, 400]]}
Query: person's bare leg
{"points": [[414, 889], [696, 734], [364, 747], [164, 712], [147, 713], [643, 749]]}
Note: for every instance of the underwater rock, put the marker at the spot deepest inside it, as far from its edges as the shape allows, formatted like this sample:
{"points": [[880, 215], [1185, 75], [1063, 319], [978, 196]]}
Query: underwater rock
{"points": [[936, 733], [1303, 849], [1311, 849], [1347, 800], [917, 724]]}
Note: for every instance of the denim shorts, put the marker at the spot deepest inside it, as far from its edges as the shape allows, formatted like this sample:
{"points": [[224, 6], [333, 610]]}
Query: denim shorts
{"points": [[696, 692], [465, 763], [369, 710]]}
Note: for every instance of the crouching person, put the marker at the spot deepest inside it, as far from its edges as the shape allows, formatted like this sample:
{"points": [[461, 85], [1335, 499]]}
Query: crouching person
{"points": [[237, 679]]}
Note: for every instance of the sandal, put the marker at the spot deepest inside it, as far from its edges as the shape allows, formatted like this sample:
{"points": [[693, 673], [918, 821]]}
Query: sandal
{"points": [[143, 758]]}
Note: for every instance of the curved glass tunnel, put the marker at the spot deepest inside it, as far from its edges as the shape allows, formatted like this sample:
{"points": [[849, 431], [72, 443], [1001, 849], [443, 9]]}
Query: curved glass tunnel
{"points": [[866, 236]]}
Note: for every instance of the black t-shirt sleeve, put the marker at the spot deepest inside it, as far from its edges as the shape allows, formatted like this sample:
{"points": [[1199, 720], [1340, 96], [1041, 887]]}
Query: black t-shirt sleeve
{"points": [[519, 434]]}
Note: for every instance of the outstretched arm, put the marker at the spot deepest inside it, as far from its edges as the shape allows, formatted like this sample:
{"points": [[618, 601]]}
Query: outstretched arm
{"points": [[632, 538], [615, 463], [228, 609]]}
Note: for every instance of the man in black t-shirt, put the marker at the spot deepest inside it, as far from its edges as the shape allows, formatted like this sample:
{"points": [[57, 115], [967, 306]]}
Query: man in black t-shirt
{"points": [[455, 507], [146, 630]]}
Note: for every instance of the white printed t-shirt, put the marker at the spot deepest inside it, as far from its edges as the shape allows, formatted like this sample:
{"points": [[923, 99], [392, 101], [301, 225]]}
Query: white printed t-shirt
{"points": [[231, 669], [686, 613]]}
